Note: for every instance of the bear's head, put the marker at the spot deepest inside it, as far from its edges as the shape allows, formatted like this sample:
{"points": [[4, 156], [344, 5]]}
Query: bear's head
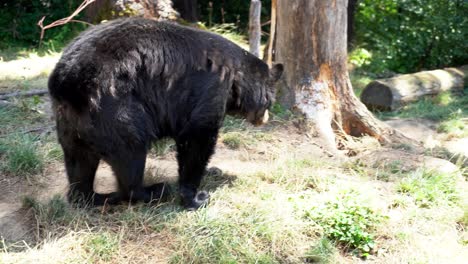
{"points": [[254, 92]]}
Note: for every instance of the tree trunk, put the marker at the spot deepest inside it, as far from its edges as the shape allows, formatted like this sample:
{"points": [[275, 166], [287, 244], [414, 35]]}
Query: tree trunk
{"points": [[311, 43], [392, 93], [351, 12], [255, 29], [111, 9], [187, 9]]}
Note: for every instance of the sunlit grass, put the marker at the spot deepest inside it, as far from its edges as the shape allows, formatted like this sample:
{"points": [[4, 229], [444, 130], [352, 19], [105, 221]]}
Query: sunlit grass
{"points": [[430, 188], [19, 155]]}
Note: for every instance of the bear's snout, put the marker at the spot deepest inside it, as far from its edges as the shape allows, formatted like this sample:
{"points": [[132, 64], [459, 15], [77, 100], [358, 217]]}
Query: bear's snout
{"points": [[258, 118]]}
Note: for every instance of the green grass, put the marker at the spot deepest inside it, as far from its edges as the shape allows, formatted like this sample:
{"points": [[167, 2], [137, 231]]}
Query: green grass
{"points": [[291, 209], [443, 107], [235, 134], [163, 146], [359, 82], [19, 155], [14, 118], [102, 246], [230, 32], [231, 123], [226, 239], [280, 112], [430, 188], [321, 252], [235, 140], [295, 174]]}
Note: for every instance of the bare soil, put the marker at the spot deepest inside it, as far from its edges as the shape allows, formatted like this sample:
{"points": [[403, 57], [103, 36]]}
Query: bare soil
{"points": [[17, 224]]}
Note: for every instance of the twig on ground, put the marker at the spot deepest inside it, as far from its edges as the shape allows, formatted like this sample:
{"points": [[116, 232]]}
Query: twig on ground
{"points": [[22, 94], [4, 103], [43, 129]]}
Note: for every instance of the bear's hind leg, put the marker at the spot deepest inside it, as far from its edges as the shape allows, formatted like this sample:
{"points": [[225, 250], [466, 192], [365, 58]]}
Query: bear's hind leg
{"points": [[193, 154], [81, 165], [129, 171]]}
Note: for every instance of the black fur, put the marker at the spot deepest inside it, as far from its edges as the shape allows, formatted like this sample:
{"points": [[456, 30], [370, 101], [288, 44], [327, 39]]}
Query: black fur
{"points": [[121, 85]]}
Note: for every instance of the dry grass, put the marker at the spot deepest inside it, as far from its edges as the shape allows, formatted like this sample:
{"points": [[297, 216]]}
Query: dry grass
{"points": [[277, 199]]}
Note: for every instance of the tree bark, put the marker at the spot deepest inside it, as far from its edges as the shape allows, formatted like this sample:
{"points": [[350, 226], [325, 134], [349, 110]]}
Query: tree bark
{"points": [[311, 43], [187, 9], [352, 4], [392, 93], [111, 9], [255, 29]]}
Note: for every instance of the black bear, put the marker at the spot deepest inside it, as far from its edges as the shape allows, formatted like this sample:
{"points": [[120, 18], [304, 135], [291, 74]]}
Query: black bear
{"points": [[121, 85]]}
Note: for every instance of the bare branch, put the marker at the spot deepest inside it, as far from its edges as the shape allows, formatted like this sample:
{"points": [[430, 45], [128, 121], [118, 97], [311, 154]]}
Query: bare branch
{"points": [[65, 20]]}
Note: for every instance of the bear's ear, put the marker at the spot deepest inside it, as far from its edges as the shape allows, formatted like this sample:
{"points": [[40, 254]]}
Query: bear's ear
{"points": [[276, 71]]}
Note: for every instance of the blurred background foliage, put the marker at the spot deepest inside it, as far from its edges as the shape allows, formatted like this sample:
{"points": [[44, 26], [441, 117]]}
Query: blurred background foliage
{"points": [[411, 35], [397, 36], [18, 23]]}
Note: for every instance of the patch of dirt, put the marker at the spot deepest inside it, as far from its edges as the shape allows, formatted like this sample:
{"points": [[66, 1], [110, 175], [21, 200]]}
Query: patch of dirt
{"points": [[16, 223], [421, 130], [425, 132], [405, 161]]}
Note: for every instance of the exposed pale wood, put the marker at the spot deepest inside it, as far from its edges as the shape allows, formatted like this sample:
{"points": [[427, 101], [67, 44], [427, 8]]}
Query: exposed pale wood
{"points": [[255, 29], [392, 93], [269, 58], [22, 94]]}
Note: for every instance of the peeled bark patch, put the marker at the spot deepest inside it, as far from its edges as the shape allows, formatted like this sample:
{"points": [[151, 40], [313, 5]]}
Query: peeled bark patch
{"points": [[392, 93]]}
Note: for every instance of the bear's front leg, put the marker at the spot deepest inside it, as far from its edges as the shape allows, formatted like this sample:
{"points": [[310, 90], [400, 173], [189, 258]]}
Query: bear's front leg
{"points": [[193, 154]]}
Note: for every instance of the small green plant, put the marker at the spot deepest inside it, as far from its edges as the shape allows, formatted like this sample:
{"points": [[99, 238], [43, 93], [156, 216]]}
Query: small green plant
{"points": [[233, 124], [21, 155], [429, 188], [163, 146], [281, 112], [321, 252], [53, 212], [234, 140], [103, 246], [349, 224]]}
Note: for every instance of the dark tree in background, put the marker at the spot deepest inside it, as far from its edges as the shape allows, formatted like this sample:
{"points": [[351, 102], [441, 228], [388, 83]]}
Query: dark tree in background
{"points": [[352, 4], [187, 9]]}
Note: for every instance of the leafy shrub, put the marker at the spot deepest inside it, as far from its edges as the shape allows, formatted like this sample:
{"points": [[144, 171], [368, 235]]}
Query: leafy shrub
{"points": [[348, 223], [19, 20], [409, 35]]}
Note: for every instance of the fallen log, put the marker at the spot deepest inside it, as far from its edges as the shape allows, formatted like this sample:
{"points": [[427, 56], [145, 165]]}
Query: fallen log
{"points": [[22, 94], [392, 93]]}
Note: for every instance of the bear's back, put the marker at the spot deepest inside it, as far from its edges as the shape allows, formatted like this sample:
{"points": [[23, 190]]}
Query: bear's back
{"points": [[144, 51]]}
